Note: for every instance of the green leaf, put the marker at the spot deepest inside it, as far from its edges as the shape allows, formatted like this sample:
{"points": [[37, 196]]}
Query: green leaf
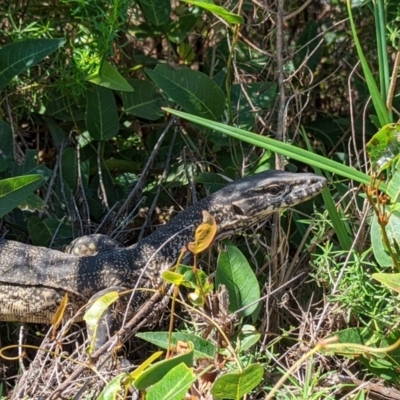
{"points": [[4, 165], [172, 277], [392, 281], [33, 203], [114, 389], [235, 385], [234, 271], [69, 167], [276, 146], [248, 338], [174, 385], [117, 165], [393, 190], [377, 100], [195, 279], [61, 106], [202, 348], [6, 139], [217, 10], [109, 77], [262, 96], [157, 12], [96, 311], [392, 229], [382, 364], [57, 134], [339, 222], [158, 370], [211, 181], [42, 232], [101, 113], [383, 148], [18, 57], [144, 102], [192, 90], [15, 190]]}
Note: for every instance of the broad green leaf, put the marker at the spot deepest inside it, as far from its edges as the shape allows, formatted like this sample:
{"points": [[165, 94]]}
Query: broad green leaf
{"points": [[172, 277], [4, 164], [61, 106], [42, 232], [347, 337], [392, 229], [211, 181], [195, 279], [202, 348], [192, 90], [182, 27], [109, 77], [235, 385], [101, 113], [6, 139], [248, 337], [69, 167], [117, 165], [57, 134], [186, 53], [18, 57], [393, 190], [384, 363], [262, 96], [39, 232], [174, 384], [144, 365], [144, 102], [158, 370], [217, 10], [383, 149], [30, 166], [392, 281], [157, 12], [33, 203], [114, 389], [234, 271], [15, 190]]}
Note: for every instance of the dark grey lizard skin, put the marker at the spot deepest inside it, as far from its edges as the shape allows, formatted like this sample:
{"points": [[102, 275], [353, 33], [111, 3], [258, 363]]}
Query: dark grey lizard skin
{"points": [[33, 280]]}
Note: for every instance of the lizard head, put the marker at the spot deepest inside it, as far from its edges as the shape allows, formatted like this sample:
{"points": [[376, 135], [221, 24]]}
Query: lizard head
{"points": [[249, 201]]}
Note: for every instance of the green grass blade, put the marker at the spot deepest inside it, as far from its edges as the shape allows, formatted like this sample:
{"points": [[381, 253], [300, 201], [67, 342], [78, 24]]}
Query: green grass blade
{"points": [[380, 23], [340, 225], [285, 149], [379, 105]]}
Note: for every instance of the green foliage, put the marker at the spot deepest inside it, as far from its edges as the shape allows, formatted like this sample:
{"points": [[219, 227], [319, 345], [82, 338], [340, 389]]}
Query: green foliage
{"points": [[14, 191], [101, 95], [236, 385], [235, 273]]}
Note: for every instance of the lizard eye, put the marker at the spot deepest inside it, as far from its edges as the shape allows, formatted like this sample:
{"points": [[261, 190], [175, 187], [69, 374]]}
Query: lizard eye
{"points": [[237, 209], [273, 190]]}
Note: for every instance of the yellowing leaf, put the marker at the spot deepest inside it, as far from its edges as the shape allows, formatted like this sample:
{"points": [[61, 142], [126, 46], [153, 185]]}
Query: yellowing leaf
{"points": [[95, 312], [172, 277], [58, 315], [204, 235], [146, 363]]}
